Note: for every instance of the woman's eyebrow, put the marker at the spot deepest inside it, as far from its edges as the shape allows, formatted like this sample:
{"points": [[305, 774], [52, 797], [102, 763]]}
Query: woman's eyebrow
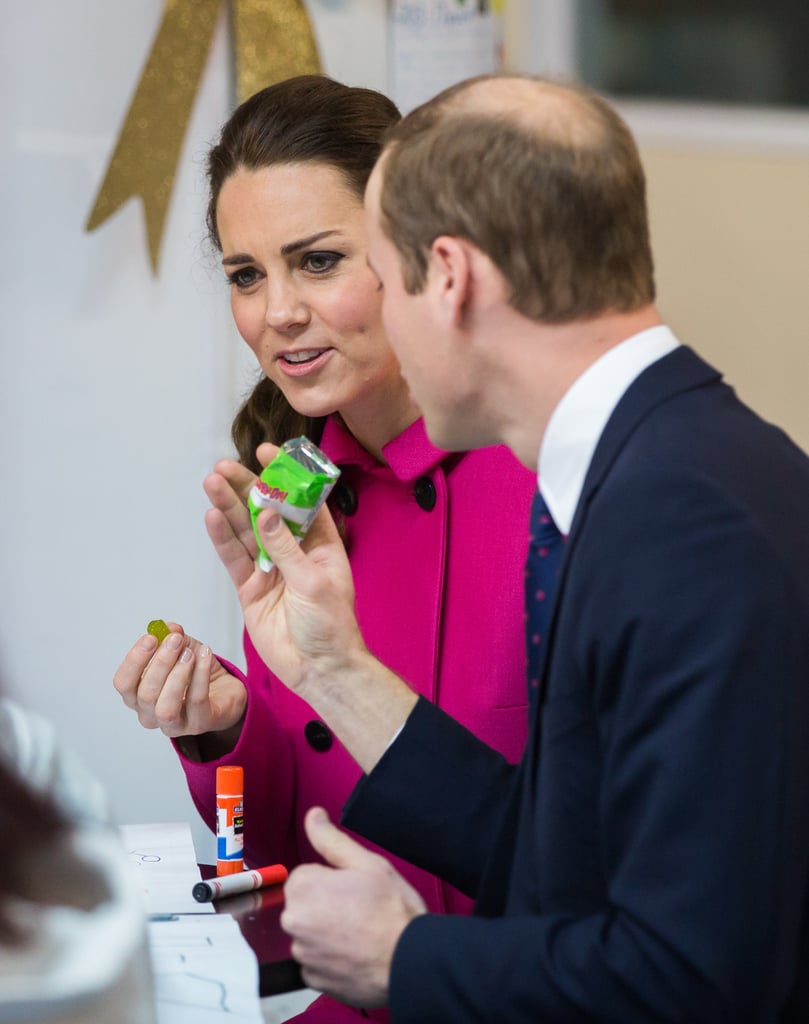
{"points": [[286, 250], [302, 243], [235, 259]]}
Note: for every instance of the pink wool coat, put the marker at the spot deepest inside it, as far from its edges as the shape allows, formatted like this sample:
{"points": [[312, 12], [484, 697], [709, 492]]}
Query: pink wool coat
{"points": [[437, 545]]}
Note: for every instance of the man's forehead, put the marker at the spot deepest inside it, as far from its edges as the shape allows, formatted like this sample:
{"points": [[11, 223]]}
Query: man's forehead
{"points": [[372, 188]]}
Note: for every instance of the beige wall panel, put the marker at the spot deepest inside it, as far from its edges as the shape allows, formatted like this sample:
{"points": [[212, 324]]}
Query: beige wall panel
{"points": [[731, 240]]}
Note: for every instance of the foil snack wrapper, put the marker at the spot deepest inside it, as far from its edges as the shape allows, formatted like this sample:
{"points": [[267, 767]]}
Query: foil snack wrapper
{"points": [[295, 484]]}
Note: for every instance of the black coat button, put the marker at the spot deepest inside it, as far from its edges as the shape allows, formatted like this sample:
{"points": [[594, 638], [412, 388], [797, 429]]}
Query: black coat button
{"points": [[424, 489], [345, 498], [318, 736]]}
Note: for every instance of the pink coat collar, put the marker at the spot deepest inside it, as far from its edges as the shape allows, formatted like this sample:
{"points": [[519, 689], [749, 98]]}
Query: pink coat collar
{"points": [[409, 455]]}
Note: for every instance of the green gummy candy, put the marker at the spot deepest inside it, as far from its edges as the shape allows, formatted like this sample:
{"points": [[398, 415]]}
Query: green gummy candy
{"points": [[159, 629]]}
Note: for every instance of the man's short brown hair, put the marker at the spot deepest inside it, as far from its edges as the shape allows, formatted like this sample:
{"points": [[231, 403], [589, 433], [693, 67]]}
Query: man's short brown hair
{"points": [[544, 178]]}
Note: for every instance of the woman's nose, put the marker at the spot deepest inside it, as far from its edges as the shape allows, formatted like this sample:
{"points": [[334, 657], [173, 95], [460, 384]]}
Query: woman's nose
{"points": [[286, 308]]}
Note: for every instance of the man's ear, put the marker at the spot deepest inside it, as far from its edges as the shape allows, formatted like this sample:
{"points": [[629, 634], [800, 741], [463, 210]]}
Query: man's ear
{"points": [[464, 279], [449, 277]]}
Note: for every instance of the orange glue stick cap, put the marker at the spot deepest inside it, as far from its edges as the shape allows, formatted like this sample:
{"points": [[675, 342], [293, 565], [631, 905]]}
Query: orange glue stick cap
{"points": [[230, 780]]}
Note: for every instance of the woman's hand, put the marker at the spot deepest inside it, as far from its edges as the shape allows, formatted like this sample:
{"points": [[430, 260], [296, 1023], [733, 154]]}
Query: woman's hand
{"points": [[180, 688]]}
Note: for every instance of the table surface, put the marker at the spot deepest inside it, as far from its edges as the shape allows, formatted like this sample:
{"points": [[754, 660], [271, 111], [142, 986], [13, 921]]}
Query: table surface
{"points": [[257, 915]]}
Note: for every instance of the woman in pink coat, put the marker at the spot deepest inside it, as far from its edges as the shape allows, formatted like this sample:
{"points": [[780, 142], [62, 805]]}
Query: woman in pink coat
{"points": [[436, 600]]}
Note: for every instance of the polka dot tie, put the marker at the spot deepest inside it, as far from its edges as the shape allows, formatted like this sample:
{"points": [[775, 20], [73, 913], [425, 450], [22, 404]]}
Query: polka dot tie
{"points": [[541, 569]]}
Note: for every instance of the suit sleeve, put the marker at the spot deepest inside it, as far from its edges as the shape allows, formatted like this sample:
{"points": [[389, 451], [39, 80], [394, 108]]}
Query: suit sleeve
{"points": [[694, 647], [436, 798]]}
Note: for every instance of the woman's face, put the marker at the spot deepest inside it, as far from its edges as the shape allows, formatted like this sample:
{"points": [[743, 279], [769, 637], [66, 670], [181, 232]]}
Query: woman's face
{"points": [[302, 295]]}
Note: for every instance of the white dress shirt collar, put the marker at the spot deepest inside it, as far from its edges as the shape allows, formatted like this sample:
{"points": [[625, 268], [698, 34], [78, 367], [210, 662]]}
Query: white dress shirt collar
{"points": [[578, 421]]}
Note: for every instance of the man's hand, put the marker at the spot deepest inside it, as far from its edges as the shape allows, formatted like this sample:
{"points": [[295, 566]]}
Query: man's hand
{"points": [[300, 615], [228, 487], [345, 920]]}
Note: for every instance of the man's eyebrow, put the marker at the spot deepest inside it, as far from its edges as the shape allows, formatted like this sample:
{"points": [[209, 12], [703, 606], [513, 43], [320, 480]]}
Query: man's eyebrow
{"points": [[286, 250]]}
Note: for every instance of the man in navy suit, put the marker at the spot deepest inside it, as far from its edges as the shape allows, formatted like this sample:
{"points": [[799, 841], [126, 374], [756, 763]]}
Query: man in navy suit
{"points": [[648, 859]]}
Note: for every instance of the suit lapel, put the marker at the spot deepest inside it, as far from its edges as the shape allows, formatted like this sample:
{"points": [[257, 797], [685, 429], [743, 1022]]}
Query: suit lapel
{"points": [[679, 371]]}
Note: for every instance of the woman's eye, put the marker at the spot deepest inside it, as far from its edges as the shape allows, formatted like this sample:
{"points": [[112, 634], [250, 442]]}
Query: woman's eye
{"points": [[319, 262], [243, 278]]}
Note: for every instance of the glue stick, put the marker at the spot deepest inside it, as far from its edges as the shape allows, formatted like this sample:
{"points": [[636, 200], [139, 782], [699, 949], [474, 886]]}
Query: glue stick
{"points": [[229, 819]]}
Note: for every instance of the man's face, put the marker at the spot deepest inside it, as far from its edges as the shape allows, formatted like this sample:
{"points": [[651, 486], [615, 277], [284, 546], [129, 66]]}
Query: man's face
{"points": [[398, 308], [417, 339]]}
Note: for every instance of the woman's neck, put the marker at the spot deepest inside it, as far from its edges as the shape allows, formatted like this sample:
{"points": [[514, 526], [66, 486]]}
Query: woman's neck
{"points": [[381, 419]]}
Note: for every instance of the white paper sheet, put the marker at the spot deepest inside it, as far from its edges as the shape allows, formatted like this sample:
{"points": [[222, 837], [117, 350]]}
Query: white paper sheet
{"points": [[164, 859], [204, 969], [205, 972]]}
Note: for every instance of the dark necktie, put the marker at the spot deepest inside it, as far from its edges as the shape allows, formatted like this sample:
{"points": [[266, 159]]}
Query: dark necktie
{"points": [[541, 569]]}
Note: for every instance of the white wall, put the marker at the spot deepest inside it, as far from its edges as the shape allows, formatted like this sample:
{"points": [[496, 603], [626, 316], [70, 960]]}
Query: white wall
{"points": [[116, 387]]}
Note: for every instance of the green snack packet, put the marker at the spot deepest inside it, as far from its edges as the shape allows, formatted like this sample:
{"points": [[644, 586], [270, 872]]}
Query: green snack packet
{"points": [[295, 484]]}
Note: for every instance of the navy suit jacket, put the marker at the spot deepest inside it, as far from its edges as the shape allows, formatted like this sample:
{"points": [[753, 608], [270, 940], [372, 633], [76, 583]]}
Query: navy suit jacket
{"points": [[648, 859]]}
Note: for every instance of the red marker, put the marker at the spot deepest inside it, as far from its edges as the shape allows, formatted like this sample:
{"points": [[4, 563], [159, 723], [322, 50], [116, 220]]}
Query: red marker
{"points": [[242, 881]]}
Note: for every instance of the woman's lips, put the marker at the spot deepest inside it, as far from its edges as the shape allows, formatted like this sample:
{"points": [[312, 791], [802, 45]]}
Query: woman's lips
{"points": [[304, 361]]}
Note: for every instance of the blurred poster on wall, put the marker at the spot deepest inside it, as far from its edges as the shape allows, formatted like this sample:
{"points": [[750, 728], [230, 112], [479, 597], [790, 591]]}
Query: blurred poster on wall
{"points": [[434, 43]]}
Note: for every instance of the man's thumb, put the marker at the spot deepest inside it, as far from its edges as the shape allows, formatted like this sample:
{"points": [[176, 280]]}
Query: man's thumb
{"points": [[276, 537], [333, 845]]}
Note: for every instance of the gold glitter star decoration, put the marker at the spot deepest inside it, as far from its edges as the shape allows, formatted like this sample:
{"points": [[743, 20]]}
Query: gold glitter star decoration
{"points": [[272, 40]]}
